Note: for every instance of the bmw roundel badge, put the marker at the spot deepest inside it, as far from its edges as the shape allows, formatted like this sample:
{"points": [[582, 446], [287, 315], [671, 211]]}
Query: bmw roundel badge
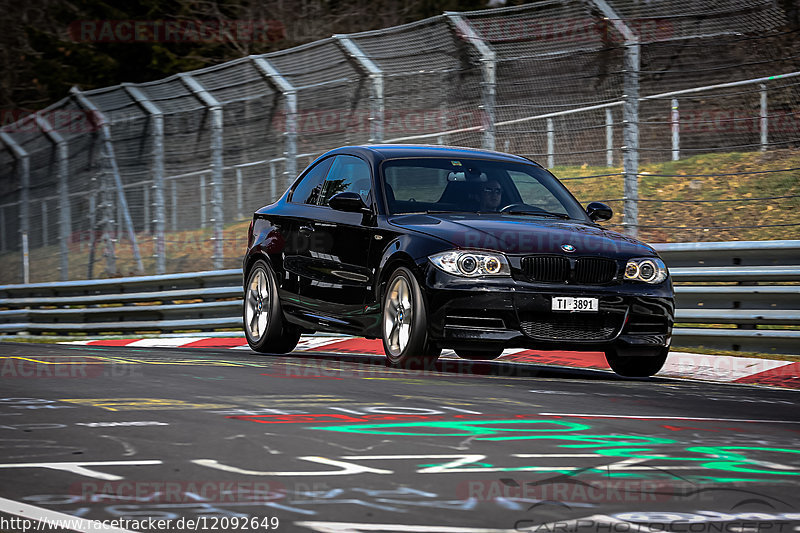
{"points": [[567, 247]]}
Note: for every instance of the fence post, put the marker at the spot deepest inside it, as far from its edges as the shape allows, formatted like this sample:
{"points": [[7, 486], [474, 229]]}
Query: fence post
{"points": [[239, 209], [609, 138], [203, 200], [551, 144], [65, 215], [108, 238], [174, 205], [273, 179], [764, 121], [101, 122], [630, 116], [377, 109], [674, 119], [157, 172], [2, 229], [217, 170], [24, 169], [92, 216], [45, 225], [268, 70], [146, 206], [488, 72], [631, 134]]}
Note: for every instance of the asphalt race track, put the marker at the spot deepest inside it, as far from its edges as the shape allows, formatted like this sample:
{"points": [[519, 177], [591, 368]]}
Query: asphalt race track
{"points": [[336, 443]]}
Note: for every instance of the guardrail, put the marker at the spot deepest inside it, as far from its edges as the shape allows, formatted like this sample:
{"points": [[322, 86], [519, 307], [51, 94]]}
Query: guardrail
{"points": [[739, 288]]}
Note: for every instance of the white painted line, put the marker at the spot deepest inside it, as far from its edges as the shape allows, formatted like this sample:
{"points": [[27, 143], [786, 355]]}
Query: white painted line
{"points": [[559, 455], [600, 415], [50, 518], [715, 367], [75, 342], [568, 525], [307, 343], [352, 527], [165, 343], [80, 468]]}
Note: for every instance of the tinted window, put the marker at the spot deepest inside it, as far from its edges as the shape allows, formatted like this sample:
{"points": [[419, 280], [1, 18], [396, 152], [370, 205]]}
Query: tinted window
{"points": [[534, 192], [470, 185], [348, 174], [309, 189]]}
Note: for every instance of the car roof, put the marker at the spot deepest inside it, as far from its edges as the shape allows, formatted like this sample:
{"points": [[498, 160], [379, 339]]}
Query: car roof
{"points": [[394, 151]]}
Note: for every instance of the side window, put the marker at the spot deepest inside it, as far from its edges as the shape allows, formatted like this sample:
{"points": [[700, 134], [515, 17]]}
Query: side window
{"points": [[310, 187], [416, 184], [348, 174]]}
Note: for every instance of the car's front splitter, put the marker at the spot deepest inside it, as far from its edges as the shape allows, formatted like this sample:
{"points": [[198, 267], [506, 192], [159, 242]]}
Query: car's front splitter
{"points": [[465, 313]]}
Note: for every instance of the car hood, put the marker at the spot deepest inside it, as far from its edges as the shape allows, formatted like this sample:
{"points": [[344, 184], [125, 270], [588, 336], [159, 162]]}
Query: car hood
{"points": [[515, 234]]}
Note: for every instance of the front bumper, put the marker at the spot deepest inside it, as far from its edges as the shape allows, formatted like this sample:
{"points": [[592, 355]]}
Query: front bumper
{"points": [[493, 312]]}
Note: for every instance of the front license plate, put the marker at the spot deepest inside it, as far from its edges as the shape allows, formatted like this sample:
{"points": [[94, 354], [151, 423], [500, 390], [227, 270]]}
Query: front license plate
{"points": [[568, 303]]}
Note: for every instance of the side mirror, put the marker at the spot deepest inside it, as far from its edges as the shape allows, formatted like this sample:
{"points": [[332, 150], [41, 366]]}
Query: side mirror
{"points": [[350, 202], [599, 212]]}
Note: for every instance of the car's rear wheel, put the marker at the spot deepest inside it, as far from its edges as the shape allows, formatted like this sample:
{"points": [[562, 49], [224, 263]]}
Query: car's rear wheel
{"points": [[404, 322], [480, 355], [636, 362], [264, 326]]}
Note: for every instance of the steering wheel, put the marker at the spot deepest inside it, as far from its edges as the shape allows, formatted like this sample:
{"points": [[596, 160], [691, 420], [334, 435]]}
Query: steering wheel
{"points": [[514, 207]]}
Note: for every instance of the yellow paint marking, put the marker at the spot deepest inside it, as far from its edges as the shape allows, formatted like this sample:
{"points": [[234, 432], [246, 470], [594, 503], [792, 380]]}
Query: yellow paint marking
{"points": [[100, 360], [135, 404], [39, 362]]}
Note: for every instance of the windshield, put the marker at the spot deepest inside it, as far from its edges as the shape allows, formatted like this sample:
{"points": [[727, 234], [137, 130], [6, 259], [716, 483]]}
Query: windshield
{"points": [[475, 186]]}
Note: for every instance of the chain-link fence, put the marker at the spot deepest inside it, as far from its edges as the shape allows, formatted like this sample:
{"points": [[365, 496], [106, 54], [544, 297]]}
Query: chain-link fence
{"points": [[681, 114]]}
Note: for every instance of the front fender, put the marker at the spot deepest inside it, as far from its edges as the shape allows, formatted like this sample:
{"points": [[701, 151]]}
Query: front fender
{"points": [[267, 243]]}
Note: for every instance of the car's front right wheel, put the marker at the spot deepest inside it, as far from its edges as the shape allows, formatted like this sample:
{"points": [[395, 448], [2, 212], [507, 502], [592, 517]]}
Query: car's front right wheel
{"points": [[404, 323], [264, 326], [636, 362]]}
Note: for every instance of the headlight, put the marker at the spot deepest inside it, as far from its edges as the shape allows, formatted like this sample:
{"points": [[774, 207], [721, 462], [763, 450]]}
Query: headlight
{"points": [[471, 263], [647, 269]]}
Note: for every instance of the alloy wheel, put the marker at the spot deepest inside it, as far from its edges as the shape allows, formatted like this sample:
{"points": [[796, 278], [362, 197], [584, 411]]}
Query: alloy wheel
{"points": [[257, 305], [398, 316]]}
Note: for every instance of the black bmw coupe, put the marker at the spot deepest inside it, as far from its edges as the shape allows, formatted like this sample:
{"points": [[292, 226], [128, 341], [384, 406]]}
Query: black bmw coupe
{"points": [[430, 247]]}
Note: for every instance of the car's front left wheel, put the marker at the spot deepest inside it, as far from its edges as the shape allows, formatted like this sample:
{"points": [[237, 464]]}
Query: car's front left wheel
{"points": [[264, 326], [404, 322]]}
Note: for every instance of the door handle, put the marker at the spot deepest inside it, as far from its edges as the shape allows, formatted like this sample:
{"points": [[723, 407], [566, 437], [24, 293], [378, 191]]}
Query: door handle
{"points": [[306, 230]]}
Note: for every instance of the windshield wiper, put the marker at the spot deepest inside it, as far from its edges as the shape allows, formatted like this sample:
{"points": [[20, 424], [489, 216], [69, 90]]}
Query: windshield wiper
{"points": [[445, 212], [539, 214]]}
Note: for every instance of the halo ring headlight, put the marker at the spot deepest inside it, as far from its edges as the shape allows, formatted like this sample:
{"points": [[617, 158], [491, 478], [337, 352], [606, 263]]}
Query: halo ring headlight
{"points": [[471, 263], [647, 269], [467, 264]]}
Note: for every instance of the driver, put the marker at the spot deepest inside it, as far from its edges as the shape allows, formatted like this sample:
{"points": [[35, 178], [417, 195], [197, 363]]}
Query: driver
{"points": [[491, 196]]}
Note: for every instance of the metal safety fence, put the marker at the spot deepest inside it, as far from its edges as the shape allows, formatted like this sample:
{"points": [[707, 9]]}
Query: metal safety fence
{"points": [[731, 296], [161, 177]]}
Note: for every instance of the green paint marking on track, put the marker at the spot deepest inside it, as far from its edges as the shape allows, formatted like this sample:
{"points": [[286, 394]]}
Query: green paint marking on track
{"points": [[720, 458]]}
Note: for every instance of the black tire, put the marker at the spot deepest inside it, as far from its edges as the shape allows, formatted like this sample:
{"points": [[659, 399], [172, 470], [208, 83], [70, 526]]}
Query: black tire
{"points": [[636, 362], [480, 355], [404, 323], [264, 325]]}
